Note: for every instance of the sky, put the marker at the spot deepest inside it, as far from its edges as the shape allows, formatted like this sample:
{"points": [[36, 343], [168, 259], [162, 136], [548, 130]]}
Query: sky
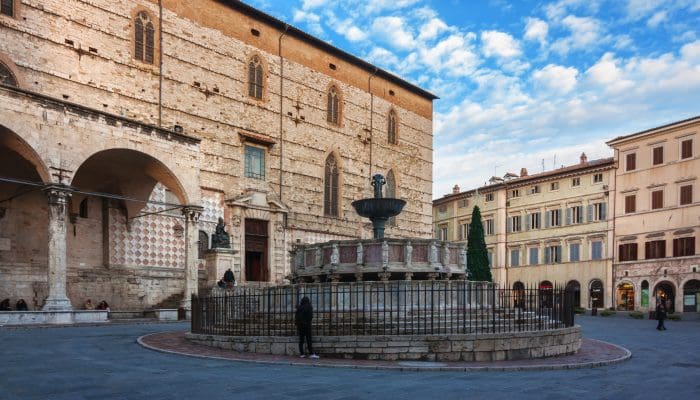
{"points": [[522, 83]]}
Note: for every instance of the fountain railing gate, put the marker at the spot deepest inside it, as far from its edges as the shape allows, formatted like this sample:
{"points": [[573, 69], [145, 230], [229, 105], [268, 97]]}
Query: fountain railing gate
{"points": [[385, 308]]}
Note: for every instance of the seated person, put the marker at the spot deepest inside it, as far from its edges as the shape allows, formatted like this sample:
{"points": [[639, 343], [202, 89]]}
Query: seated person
{"points": [[21, 305], [221, 284], [5, 305], [229, 279], [103, 306], [89, 305]]}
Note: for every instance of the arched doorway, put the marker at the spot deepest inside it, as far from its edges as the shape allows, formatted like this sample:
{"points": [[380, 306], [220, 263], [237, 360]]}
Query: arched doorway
{"points": [[691, 296], [518, 295], [596, 293], [645, 294], [575, 288], [546, 291], [665, 292], [23, 221], [625, 296]]}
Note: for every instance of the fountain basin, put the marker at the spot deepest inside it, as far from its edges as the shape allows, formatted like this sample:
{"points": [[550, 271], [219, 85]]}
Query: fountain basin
{"points": [[378, 207]]}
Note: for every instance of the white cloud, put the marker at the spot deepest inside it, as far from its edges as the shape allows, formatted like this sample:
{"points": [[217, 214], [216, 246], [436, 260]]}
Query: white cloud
{"points": [[392, 31], [586, 33], [377, 6], [536, 30], [638, 9], [499, 44], [691, 53], [556, 78], [312, 21], [345, 27], [382, 56], [453, 55], [606, 74], [657, 18], [309, 4], [557, 11], [431, 29]]}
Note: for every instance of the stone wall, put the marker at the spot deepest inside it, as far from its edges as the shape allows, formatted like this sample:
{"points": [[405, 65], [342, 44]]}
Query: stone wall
{"points": [[488, 347]]}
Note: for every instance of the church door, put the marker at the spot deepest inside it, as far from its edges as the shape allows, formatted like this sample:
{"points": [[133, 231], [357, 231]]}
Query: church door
{"points": [[256, 268]]}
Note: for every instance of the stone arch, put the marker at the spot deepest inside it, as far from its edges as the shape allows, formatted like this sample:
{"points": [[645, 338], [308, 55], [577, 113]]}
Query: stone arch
{"points": [[574, 286], [128, 173], [625, 295], [18, 149], [596, 293], [667, 290], [7, 64]]}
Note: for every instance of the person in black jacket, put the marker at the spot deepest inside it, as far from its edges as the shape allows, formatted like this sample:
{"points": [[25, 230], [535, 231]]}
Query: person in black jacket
{"points": [[229, 279], [661, 315], [303, 318]]}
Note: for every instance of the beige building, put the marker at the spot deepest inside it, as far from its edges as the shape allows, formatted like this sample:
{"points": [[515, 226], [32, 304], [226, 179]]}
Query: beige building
{"points": [[129, 127], [551, 228], [657, 217]]}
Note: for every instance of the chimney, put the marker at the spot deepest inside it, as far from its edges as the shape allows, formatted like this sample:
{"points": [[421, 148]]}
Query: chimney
{"points": [[584, 159], [523, 172], [455, 189]]}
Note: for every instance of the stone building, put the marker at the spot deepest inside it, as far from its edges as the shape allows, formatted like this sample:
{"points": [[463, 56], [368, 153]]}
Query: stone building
{"points": [[129, 127], [551, 228], [657, 217]]}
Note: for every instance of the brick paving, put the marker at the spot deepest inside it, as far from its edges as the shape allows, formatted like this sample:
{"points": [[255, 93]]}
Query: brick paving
{"points": [[593, 353]]}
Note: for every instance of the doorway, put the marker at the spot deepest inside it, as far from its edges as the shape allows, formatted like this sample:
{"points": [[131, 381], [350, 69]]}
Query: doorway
{"points": [[625, 297], [575, 288], [596, 294], [691, 296], [664, 292], [256, 238]]}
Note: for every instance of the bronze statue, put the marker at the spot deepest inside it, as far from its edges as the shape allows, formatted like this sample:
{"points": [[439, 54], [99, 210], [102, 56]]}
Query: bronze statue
{"points": [[220, 239]]}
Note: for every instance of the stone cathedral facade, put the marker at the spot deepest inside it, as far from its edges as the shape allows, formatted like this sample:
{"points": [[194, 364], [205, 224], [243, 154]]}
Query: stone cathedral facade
{"points": [[129, 127]]}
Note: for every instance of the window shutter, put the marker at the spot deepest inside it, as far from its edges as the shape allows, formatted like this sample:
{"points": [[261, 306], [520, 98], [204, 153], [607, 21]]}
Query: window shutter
{"points": [[602, 211], [559, 253], [568, 216], [589, 213], [546, 255], [527, 221], [509, 225], [546, 218]]}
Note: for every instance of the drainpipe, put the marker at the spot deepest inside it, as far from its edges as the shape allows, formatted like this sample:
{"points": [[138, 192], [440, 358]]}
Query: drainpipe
{"points": [[611, 210], [371, 116], [160, 62], [279, 50]]}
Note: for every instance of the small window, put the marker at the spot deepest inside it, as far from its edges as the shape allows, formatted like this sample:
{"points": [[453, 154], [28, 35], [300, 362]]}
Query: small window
{"points": [[333, 107], [597, 250], [391, 128], [554, 217], [534, 189], [683, 247], [489, 196], [628, 252], [687, 148], [255, 78], [658, 155], [575, 182], [631, 163], [489, 227], [686, 194], [598, 210], [514, 257], [655, 249], [442, 208], [657, 199], [630, 204], [533, 221], [331, 187], [462, 203], [442, 233], [554, 186], [515, 193], [463, 232], [254, 162], [83, 211], [575, 252], [7, 7], [576, 214], [515, 223], [144, 38], [597, 178], [6, 76]]}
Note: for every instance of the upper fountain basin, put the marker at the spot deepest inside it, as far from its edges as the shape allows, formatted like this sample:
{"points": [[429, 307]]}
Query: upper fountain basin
{"points": [[379, 208]]}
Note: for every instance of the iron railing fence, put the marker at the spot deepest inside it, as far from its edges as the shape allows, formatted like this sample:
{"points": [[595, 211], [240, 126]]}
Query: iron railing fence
{"points": [[385, 308]]}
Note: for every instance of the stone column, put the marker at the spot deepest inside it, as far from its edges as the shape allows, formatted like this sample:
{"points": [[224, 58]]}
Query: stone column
{"points": [[57, 299], [191, 214]]}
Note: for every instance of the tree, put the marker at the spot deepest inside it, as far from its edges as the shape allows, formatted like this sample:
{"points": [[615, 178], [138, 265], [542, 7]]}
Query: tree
{"points": [[477, 256]]}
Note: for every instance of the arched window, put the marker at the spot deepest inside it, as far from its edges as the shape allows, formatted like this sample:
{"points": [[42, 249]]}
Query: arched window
{"points": [[333, 112], [391, 191], [391, 128], [6, 76], [144, 38], [255, 78], [330, 198], [202, 245]]}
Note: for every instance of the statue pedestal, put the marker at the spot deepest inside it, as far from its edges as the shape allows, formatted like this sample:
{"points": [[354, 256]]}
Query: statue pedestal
{"points": [[218, 261]]}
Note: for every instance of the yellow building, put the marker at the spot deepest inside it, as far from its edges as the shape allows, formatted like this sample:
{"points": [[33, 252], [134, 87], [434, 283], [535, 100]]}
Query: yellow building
{"points": [[546, 229], [657, 217]]}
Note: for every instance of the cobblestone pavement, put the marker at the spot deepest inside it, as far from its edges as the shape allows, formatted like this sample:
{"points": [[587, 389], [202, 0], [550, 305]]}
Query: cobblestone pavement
{"points": [[105, 362]]}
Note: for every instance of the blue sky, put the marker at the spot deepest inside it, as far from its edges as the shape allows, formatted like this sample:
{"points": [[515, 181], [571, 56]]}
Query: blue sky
{"points": [[522, 83]]}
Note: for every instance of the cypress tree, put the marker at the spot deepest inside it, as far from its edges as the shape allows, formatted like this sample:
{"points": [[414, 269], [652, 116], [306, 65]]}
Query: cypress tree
{"points": [[477, 256]]}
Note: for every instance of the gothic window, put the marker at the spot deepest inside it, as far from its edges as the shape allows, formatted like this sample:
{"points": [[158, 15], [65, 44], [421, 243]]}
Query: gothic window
{"points": [[7, 7], [6, 76], [144, 38], [330, 198], [202, 245], [255, 78], [333, 110], [393, 139]]}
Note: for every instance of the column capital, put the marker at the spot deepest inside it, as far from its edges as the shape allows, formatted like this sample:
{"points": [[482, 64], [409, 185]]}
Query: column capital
{"points": [[192, 213], [57, 194]]}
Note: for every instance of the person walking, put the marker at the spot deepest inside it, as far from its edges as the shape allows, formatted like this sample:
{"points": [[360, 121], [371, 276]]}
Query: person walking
{"points": [[661, 314], [303, 318]]}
